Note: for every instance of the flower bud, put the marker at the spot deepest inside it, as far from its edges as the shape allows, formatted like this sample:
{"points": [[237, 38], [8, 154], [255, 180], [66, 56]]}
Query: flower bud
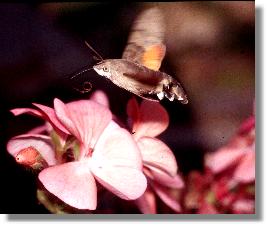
{"points": [[31, 157]]}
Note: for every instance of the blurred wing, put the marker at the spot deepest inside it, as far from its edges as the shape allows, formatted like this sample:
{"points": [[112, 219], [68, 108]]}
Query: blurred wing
{"points": [[145, 44]]}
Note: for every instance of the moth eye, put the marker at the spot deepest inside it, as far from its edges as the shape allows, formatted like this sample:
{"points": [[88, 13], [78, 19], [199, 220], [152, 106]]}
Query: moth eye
{"points": [[105, 69]]}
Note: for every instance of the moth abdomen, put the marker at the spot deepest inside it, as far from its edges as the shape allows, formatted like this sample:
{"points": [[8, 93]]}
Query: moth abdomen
{"points": [[174, 90]]}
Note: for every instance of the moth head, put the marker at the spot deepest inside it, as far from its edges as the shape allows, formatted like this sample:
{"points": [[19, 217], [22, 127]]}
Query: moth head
{"points": [[103, 68]]}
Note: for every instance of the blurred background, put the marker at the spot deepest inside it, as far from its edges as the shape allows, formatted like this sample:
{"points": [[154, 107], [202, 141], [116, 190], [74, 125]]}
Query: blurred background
{"points": [[210, 50]]}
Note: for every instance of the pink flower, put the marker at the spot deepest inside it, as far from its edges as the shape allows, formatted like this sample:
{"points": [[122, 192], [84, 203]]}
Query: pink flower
{"points": [[100, 97], [198, 197], [239, 153], [227, 185], [107, 153], [148, 121]]}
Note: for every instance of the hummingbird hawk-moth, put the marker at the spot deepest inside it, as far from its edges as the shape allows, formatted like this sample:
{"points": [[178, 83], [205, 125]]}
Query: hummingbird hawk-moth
{"points": [[138, 70]]}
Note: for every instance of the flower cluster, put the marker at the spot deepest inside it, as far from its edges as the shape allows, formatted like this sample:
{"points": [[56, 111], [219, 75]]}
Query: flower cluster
{"points": [[81, 149], [83, 153], [228, 182]]}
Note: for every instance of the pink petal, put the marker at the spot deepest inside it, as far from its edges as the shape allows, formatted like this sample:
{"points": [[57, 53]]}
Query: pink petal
{"points": [[100, 97], [165, 179], [133, 114], [247, 125], [19, 111], [116, 146], [147, 202], [50, 115], [41, 143], [245, 206], [63, 115], [154, 119], [85, 119], [207, 208], [245, 171], [157, 154], [73, 183], [116, 163], [38, 130], [223, 158], [125, 182], [167, 197]]}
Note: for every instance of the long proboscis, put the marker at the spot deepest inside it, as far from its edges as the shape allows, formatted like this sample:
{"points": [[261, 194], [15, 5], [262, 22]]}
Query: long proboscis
{"points": [[81, 72]]}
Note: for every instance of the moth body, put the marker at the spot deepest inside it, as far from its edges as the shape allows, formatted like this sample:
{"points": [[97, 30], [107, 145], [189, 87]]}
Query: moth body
{"points": [[138, 70], [140, 80]]}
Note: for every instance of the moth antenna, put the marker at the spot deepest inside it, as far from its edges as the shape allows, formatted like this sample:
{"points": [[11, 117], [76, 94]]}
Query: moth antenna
{"points": [[96, 58], [90, 47]]}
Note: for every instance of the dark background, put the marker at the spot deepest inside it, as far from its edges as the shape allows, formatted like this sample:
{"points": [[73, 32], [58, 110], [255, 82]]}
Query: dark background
{"points": [[210, 49]]}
